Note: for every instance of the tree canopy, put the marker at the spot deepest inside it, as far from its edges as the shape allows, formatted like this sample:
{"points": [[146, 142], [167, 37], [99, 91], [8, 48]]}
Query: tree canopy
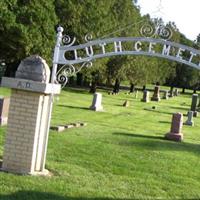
{"points": [[28, 27]]}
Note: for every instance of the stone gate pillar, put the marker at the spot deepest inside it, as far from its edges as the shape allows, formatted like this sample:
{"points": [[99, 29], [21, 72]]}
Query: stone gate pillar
{"points": [[28, 118]]}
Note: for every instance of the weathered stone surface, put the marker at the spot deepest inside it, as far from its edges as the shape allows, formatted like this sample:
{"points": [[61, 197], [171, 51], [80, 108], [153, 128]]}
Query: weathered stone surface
{"points": [[156, 94], [189, 120], [33, 68], [96, 103], [176, 128], [4, 108], [145, 96]]}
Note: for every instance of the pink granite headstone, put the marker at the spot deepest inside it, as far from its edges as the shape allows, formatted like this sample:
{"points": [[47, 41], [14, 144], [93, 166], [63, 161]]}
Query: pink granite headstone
{"points": [[176, 128]]}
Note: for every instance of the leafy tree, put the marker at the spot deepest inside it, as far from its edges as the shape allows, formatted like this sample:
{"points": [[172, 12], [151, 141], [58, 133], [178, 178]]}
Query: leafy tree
{"points": [[26, 27]]}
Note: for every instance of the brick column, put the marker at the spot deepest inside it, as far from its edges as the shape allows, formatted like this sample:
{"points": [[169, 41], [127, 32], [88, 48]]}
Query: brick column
{"points": [[28, 120], [25, 147]]}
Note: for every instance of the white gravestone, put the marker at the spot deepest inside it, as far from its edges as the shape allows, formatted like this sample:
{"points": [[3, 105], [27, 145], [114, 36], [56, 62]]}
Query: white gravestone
{"points": [[96, 103]]}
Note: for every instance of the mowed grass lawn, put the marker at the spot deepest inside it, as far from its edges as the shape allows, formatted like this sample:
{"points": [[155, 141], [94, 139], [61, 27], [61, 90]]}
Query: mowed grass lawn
{"points": [[120, 154]]}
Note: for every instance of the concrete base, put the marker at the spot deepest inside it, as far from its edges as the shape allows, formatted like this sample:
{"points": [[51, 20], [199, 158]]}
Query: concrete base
{"points": [[98, 109], [189, 123], [178, 137], [45, 172]]}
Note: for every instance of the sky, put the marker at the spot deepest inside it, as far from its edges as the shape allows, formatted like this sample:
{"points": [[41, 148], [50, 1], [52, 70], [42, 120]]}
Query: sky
{"points": [[185, 14]]}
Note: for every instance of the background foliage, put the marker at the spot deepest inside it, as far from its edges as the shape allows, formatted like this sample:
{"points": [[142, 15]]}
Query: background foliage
{"points": [[28, 27]]}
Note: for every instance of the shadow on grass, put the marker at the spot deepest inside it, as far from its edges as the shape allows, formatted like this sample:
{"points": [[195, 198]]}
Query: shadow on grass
{"points": [[158, 143], [34, 195], [158, 111], [164, 122], [140, 136], [179, 108], [81, 90], [73, 107]]}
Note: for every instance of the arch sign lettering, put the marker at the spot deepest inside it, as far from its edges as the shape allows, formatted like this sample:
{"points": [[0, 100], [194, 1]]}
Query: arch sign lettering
{"points": [[69, 55]]}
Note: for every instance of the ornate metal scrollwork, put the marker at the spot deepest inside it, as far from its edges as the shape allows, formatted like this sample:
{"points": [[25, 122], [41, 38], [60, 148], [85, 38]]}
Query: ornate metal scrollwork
{"points": [[150, 30], [68, 70], [68, 41], [88, 37], [165, 32], [147, 30]]}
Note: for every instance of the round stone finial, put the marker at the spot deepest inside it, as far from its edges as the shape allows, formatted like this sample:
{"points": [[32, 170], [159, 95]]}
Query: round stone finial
{"points": [[34, 68], [60, 29]]}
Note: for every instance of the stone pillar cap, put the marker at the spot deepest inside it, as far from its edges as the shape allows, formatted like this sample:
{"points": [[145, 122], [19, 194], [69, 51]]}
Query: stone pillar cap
{"points": [[33, 68]]}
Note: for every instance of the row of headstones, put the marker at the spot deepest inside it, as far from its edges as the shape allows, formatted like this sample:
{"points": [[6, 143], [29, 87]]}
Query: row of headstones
{"points": [[176, 124], [156, 94], [97, 98]]}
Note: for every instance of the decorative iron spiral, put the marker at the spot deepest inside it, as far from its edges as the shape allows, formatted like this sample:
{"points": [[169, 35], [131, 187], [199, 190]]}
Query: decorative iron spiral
{"points": [[67, 40], [64, 72], [165, 32], [147, 30], [62, 79], [88, 37]]}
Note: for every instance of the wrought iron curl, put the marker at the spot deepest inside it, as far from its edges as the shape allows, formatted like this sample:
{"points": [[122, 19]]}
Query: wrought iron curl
{"points": [[88, 37], [165, 32], [153, 30], [147, 30], [64, 72], [69, 70], [68, 41]]}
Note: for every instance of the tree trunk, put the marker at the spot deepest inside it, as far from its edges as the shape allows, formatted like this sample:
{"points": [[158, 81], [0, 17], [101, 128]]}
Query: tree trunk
{"points": [[93, 87], [11, 69], [116, 86], [195, 91], [144, 88], [183, 90], [132, 88], [79, 80], [157, 83]]}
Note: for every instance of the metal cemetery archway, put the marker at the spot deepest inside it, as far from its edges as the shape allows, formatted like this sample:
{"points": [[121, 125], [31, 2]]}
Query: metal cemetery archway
{"points": [[83, 54]]}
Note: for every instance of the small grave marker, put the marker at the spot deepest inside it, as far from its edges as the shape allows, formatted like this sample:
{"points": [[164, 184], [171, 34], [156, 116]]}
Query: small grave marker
{"points": [[96, 103], [194, 105], [176, 128], [189, 120], [156, 94], [126, 103], [145, 96]]}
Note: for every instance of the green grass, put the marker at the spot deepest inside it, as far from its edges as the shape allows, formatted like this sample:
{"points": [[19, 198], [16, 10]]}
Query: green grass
{"points": [[120, 154]]}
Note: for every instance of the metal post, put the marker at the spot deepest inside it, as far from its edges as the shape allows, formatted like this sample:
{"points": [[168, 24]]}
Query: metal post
{"points": [[56, 54], [53, 79]]}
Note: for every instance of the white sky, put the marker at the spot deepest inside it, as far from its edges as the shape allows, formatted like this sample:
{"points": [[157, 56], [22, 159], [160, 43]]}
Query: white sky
{"points": [[185, 14]]}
